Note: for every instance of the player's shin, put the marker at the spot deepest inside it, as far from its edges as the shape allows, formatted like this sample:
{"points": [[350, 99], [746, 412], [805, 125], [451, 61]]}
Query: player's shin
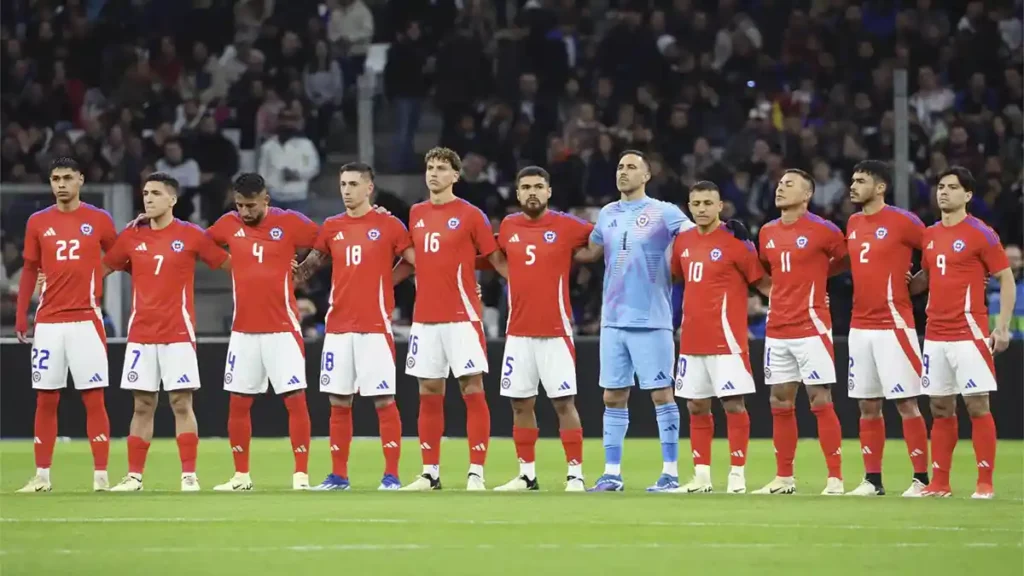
{"points": [[616, 423], [97, 425], [390, 424], [738, 424], [702, 432], [983, 436], [830, 437], [186, 430], [571, 433], [526, 450], [915, 433], [945, 432], [872, 447], [299, 429], [240, 431], [784, 438], [668, 432], [478, 430], [47, 402], [431, 428], [341, 437]]}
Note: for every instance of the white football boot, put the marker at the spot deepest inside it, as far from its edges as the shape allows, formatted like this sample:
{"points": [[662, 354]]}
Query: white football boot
{"points": [[130, 483], [780, 485], [239, 483]]}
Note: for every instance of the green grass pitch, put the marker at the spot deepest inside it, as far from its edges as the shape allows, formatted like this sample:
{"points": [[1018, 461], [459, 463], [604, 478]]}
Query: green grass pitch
{"points": [[363, 532]]}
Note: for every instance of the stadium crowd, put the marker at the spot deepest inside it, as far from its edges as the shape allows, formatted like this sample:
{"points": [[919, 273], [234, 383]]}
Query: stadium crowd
{"points": [[732, 91]]}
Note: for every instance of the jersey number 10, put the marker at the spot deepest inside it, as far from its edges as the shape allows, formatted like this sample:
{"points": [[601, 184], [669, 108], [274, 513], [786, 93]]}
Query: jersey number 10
{"points": [[695, 271]]}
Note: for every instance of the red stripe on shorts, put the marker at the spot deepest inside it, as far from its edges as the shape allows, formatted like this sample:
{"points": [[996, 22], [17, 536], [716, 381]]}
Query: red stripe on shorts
{"points": [[908, 349], [986, 354]]}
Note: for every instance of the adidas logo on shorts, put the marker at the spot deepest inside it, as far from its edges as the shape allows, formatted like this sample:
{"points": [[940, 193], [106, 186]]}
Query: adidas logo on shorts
{"points": [[184, 379], [382, 386], [294, 380], [96, 378], [728, 386], [564, 386]]}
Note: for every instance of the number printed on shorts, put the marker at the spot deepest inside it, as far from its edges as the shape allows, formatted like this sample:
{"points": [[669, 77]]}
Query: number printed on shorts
{"points": [[67, 249], [39, 358], [328, 362], [414, 345], [509, 361], [136, 354], [768, 357], [681, 367], [231, 362], [924, 362]]}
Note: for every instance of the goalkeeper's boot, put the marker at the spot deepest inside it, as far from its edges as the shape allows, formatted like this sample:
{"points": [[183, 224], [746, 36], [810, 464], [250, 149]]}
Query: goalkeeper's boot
{"points": [[608, 483], [519, 484], [665, 483]]}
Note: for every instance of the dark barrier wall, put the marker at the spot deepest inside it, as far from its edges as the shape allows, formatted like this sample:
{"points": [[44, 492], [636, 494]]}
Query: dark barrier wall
{"points": [[17, 401]]}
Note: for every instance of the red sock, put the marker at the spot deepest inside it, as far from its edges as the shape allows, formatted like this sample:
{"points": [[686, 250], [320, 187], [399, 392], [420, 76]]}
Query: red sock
{"points": [[240, 431], [572, 443], [478, 427], [784, 436], [738, 424], [915, 433], [47, 402], [431, 428], [830, 437], [526, 443], [188, 445], [97, 426], [299, 428], [983, 436], [872, 443], [945, 432], [702, 431], [341, 439], [390, 423], [137, 450]]}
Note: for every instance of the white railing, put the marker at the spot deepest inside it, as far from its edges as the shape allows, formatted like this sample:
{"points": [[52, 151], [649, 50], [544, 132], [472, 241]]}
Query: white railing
{"points": [[117, 199]]}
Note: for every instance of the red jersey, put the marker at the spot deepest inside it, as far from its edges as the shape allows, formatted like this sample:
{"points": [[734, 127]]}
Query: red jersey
{"points": [[797, 257], [69, 246], [539, 254], [163, 267], [261, 268], [717, 269], [881, 246], [362, 251], [959, 259], [447, 238]]}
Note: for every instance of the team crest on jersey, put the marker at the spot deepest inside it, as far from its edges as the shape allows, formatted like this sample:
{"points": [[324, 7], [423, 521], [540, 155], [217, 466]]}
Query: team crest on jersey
{"points": [[550, 236], [453, 223], [276, 233], [177, 245], [801, 242], [716, 255], [959, 246], [373, 234], [643, 220], [881, 233], [86, 229]]}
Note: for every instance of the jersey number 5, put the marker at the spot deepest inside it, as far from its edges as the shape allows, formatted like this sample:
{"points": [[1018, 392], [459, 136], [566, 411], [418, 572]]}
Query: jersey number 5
{"points": [[531, 254], [67, 250]]}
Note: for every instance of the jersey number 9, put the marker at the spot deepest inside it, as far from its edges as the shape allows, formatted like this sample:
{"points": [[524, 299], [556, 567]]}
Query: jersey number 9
{"points": [[940, 263]]}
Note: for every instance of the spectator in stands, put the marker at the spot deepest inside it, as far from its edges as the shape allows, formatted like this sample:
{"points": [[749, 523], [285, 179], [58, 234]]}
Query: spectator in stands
{"points": [[1013, 254], [186, 171], [829, 188], [218, 162], [324, 89], [405, 84], [288, 161]]}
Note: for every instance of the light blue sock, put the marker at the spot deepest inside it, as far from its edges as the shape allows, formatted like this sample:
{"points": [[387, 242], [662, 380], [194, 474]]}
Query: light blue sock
{"points": [[668, 431], [616, 422]]}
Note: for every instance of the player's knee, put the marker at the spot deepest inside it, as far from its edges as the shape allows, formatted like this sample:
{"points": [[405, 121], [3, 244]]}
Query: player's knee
{"points": [[819, 395], [380, 402], [522, 406], [781, 400], [698, 407], [977, 405], [433, 386], [471, 384], [942, 406], [870, 409], [145, 403], [663, 396], [181, 403], [343, 400], [908, 408], [732, 405], [616, 398], [564, 406]]}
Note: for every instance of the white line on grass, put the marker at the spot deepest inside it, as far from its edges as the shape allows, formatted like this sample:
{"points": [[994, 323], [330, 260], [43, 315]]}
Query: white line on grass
{"points": [[304, 549], [485, 522]]}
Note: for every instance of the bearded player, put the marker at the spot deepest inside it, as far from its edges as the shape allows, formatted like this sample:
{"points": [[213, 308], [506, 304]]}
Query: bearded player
{"points": [[161, 256], [960, 253], [885, 357], [359, 349], [66, 243], [718, 265], [266, 338], [447, 333], [539, 349], [634, 234], [799, 250]]}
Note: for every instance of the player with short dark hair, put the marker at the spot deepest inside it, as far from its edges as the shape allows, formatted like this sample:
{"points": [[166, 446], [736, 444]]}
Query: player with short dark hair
{"points": [[718, 266], [266, 337], [161, 256], [960, 253], [539, 349], [447, 334], [885, 357], [66, 243], [359, 348], [799, 250]]}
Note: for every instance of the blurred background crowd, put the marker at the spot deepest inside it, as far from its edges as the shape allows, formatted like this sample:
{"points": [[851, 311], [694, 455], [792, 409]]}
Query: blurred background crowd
{"points": [[732, 91]]}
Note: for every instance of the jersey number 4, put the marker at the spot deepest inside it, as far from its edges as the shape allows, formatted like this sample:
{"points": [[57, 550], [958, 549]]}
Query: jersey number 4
{"points": [[67, 250], [257, 251]]}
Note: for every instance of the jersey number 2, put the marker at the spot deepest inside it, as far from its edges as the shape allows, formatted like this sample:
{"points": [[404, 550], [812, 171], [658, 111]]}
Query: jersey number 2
{"points": [[67, 250], [864, 249]]}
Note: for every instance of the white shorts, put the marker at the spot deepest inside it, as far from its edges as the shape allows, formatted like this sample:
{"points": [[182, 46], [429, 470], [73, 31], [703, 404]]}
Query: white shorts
{"points": [[531, 361], [809, 360], [363, 363], [964, 367], [715, 375], [884, 364], [80, 347], [436, 349], [145, 365], [252, 358]]}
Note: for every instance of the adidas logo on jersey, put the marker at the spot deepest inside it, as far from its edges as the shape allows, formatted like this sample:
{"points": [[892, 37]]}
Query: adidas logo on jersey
{"points": [[50, 232], [897, 389], [686, 253], [96, 378], [930, 245], [240, 233], [564, 386], [853, 235], [420, 224], [339, 236], [514, 238], [382, 386], [294, 380], [771, 244], [141, 247], [184, 379], [728, 386]]}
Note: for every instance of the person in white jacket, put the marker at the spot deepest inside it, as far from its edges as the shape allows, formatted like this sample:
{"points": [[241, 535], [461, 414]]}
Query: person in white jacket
{"points": [[288, 162]]}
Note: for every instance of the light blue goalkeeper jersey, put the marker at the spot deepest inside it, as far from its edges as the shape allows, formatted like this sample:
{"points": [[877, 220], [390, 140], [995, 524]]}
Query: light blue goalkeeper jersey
{"points": [[637, 236]]}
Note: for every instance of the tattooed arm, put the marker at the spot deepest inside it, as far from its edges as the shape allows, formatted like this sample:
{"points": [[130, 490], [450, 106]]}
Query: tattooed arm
{"points": [[313, 262]]}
